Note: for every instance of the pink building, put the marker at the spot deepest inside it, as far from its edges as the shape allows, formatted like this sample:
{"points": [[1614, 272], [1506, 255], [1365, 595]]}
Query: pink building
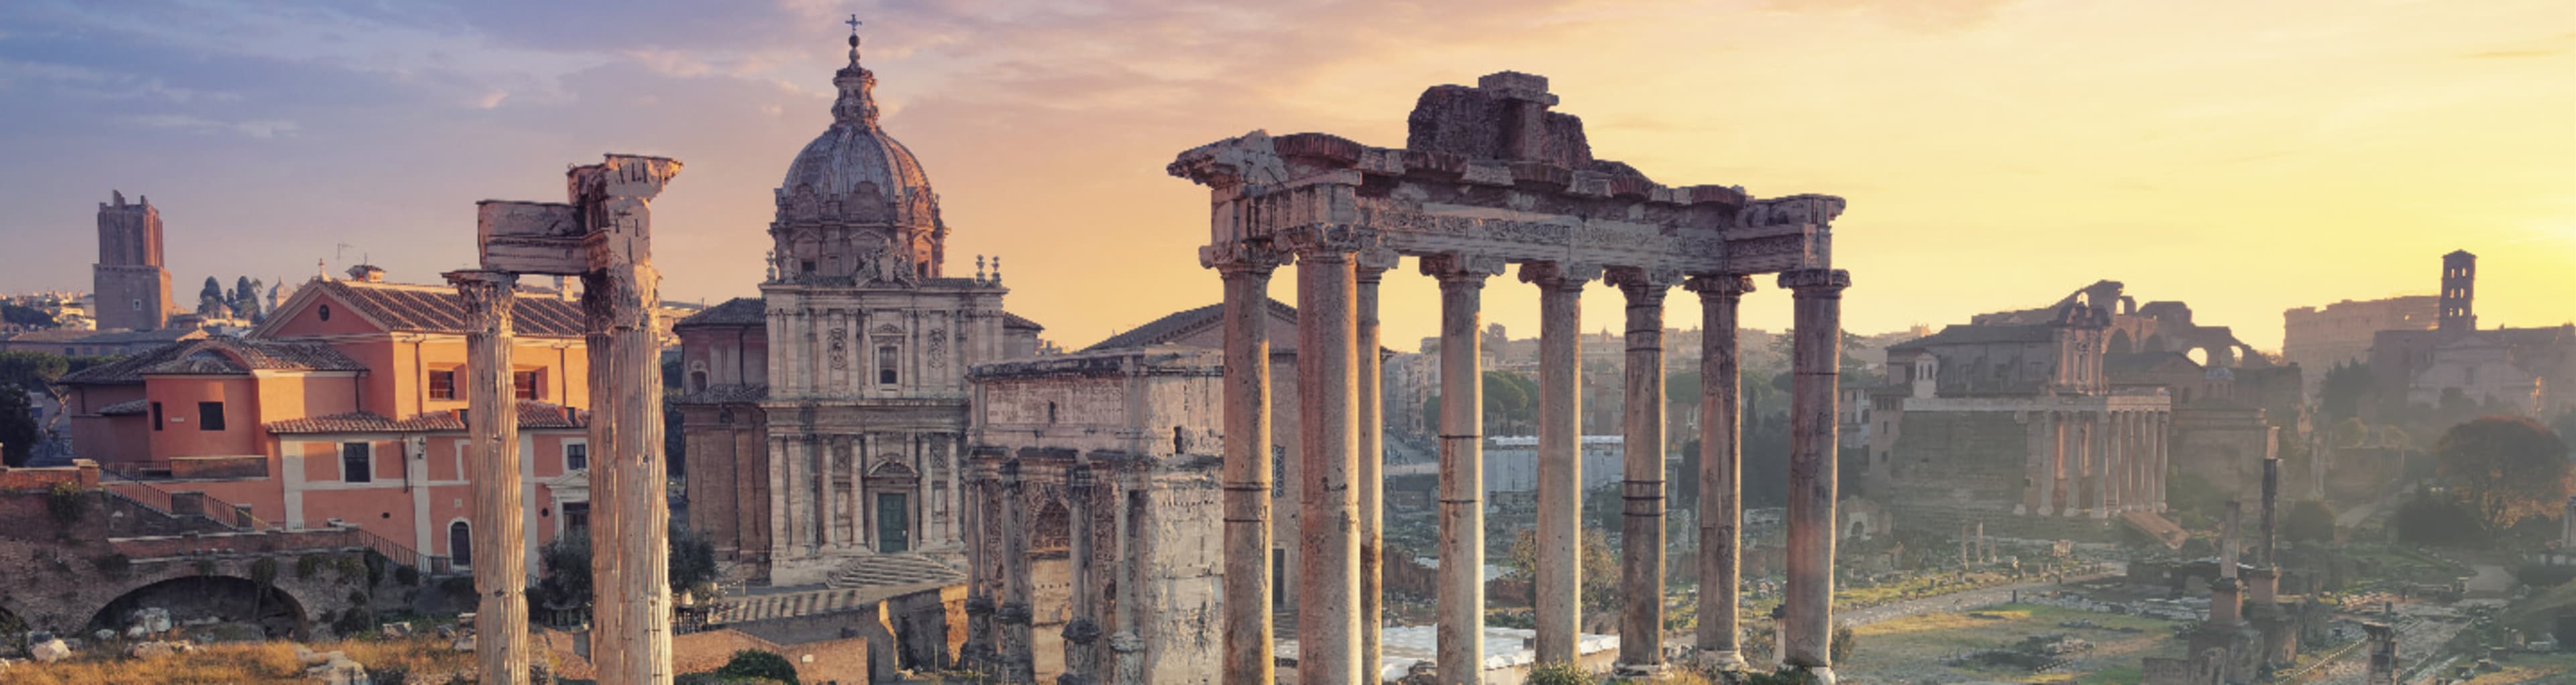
{"points": [[346, 406]]}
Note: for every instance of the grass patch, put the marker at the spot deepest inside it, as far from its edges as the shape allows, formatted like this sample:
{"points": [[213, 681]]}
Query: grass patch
{"points": [[264, 662], [1923, 644]]}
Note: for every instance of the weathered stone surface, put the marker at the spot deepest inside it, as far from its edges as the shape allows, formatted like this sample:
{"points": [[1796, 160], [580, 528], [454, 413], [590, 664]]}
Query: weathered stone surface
{"points": [[49, 651]]}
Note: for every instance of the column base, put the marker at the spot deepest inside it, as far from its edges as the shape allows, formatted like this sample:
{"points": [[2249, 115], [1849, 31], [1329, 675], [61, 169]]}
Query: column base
{"points": [[1642, 670], [1721, 659], [1811, 675]]}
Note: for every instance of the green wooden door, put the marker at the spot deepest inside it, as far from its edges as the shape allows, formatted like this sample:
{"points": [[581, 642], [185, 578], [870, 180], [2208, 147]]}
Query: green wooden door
{"points": [[894, 524]]}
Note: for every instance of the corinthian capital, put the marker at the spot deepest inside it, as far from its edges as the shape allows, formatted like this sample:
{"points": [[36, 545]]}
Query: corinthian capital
{"points": [[1242, 258], [1720, 285], [1331, 241], [1462, 267], [1559, 275], [1815, 281]]}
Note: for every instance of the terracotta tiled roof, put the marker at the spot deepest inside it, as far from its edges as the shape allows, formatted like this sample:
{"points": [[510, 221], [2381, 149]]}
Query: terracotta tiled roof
{"points": [[125, 408], [740, 311], [531, 415], [438, 309], [216, 356], [723, 394], [1174, 326]]}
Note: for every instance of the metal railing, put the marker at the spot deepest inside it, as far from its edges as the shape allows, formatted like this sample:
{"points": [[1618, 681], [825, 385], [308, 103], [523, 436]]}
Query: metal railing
{"points": [[135, 489], [395, 551]]}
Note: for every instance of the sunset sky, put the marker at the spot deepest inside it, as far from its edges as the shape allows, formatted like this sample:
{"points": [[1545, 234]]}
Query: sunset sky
{"points": [[2242, 157]]}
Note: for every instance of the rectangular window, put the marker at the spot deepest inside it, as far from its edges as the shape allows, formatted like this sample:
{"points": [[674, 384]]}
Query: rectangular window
{"points": [[576, 456], [356, 466], [442, 385], [885, 365], [156, 416], [576, 516], [210, 416], [529, 385]]}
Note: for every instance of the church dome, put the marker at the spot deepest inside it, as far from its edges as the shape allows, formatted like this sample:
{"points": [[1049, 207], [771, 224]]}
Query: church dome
{"points": [[854, 170]]}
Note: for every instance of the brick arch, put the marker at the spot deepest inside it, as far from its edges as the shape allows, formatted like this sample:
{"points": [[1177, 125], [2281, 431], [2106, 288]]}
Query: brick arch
{"points": [[280, 614]]}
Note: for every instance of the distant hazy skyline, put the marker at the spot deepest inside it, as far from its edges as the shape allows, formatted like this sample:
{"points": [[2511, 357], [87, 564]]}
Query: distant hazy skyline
{"points": [[2245, 158]]}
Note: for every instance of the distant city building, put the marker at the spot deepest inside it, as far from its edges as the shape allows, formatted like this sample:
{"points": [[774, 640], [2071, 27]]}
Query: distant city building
{"points": [[2317, 339], [2526, 371], [347, 405], [133, 290]]}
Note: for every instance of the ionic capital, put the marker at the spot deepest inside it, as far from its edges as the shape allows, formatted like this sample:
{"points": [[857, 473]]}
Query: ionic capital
{"points": [[1728, 286], [1559, 275], [1325, 241], [1242, 259], [1461, 268], [1815, 282]]}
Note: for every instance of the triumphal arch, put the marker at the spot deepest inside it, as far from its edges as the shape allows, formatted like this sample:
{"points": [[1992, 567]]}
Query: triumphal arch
{"points": [[1489, 178]]}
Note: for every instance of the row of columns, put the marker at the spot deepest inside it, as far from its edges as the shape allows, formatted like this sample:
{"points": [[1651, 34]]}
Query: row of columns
{"points": [[2096, 463], [809, 503], [1338, 413], [1106, 632]]}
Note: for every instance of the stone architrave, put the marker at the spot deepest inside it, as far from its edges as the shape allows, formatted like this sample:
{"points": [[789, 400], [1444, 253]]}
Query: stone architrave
{"points": [[1461, 611], [1808, 625], [1721, 514], [1641, 567], [1247, 624], [492, 446], [1560, 459]]}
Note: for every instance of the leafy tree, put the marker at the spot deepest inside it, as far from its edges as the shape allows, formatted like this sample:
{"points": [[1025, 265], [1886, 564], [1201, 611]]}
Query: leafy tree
{"points": [[22, 315], [2505, 468], [213, 289], [2431, 520], [32, 370], [19, 432], [566, 582], [2347, 387], [753, 663], [2309, 521], [1600, 566]]}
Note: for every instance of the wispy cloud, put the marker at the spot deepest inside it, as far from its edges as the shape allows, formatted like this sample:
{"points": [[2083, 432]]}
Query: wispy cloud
{"points": [[262, 129]]}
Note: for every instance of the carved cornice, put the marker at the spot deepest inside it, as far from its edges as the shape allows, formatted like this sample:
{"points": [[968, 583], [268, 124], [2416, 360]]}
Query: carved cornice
{"points": [[1638, 279]]}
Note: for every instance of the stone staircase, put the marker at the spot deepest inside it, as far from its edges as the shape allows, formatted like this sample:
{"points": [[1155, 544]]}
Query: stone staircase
{"points": [[858, 585], [880, 570]]}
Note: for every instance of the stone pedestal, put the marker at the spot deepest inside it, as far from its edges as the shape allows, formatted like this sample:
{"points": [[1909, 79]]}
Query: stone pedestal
{"points": [[1721, 515]]}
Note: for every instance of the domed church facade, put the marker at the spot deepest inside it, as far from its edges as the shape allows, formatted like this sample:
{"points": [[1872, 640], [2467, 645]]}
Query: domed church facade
{"points": [[826, 420]]}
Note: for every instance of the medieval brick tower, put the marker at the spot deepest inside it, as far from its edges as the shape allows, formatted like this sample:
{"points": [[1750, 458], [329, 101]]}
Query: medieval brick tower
{"points": [[133, 291], [2459, 291]]}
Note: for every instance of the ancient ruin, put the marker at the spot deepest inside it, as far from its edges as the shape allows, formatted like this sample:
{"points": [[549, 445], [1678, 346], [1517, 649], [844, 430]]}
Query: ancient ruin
{"points": [[603, 234], [1489, 177]]}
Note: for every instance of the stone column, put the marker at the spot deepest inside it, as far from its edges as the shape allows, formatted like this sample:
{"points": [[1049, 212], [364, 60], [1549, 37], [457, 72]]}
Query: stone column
{"points": [[1247, 621], [1328, 610], [631, 557], [1018, 663], [1082, 632], [1560, 457], [500, 526], [2162, 435], [2099, 425], [2059, 468], [1461, 612], [1641, 566], [1368, 376], [1807, 632], [2039, 467], [1130, 652], [982, 559], [1721, 514], [2271, 512]]}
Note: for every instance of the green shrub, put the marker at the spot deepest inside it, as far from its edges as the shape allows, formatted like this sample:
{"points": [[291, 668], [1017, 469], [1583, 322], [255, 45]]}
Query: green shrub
{"points": [[407, 576], [1558, 673], [64, 501], [759, 664], [1843, 642], [307, 565], [264, 571]]}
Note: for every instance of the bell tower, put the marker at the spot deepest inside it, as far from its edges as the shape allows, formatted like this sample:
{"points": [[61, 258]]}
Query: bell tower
{"points": [[131, 288], [2459, 292]]}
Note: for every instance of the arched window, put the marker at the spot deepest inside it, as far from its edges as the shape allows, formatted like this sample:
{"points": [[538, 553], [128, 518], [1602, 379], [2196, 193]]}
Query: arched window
{"points": [[460, 544], [697, 381]]}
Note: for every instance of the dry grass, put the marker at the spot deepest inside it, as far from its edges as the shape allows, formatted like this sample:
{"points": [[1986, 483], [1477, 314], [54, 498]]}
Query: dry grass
{"points": [[224, 664], [1918, 645]]}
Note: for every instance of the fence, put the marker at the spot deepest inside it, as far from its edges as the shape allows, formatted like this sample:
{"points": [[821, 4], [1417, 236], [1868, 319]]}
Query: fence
{"points": [[185, 503], [427, 564]]}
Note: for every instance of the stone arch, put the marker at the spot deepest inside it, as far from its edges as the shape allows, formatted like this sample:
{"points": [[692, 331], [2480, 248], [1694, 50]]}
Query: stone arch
{"points": [[460, 543], [2153, 343], [1052, 530], [2119, 343], [232, 599]]}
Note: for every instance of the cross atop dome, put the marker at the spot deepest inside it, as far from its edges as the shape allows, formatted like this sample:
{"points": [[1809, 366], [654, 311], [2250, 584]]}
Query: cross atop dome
{"points": [[854, 38]]}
